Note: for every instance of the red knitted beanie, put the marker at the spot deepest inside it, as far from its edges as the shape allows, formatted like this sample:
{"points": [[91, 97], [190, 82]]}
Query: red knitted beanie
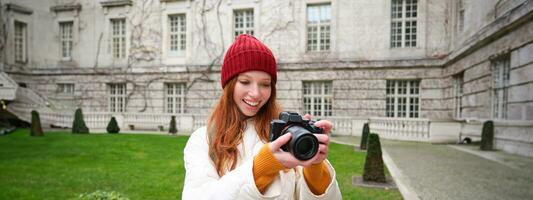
{"points": [[247, 54]]}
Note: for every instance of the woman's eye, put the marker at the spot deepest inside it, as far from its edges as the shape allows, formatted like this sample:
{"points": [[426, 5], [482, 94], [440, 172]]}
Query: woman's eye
{"points": [[244, 82], [265, 84]]}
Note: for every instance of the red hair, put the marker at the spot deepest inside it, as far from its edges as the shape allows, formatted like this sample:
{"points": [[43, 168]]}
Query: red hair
{"points": [[226, 126]]}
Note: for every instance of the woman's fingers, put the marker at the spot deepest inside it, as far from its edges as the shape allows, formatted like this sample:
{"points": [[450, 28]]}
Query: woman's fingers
{"points": [[289, 161], [322, 138], [276, 144], [323, 149], [325, 125], [286, 159]]}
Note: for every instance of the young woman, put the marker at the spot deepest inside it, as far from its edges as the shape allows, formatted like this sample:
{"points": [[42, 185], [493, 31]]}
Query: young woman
{"points": [[231, 157]]}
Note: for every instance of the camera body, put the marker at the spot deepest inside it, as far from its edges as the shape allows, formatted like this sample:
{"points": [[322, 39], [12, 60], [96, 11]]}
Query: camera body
{"points": [[303, 144]]}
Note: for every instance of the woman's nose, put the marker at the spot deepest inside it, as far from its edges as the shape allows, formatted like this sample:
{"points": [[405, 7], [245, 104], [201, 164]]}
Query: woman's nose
{"points": [[254, 90]]}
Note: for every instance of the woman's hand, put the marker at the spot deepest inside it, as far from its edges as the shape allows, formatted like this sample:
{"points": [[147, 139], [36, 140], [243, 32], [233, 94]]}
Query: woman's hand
{"points": [[323, 139], [289, 161]]}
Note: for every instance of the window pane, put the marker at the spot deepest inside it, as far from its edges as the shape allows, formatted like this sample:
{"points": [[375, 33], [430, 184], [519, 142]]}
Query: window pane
{"points": [[65, 88], [178, 31], [117, 97], [243, 22], [318, 27], [402, 98], [403, 32], [175, 96], [66, 39], [312, 38], [318, 98], [20, 42], [118, 35], [458, 94], [500, 84]]}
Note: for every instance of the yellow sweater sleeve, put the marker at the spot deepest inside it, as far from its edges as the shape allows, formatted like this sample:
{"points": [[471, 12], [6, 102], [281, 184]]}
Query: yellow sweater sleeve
{"points": [[265, 168], [317, 178]]}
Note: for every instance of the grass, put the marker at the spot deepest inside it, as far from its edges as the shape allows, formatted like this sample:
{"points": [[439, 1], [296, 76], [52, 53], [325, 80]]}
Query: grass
{"points": [[348, 163], [63, 165]]}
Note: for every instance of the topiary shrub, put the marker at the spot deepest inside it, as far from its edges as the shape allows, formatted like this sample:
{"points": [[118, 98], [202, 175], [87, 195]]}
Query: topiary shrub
{"points": [[374, 167], [36, 129], [172, 129], [78, 126], [364, 137], [112, 126], [487, 136]]}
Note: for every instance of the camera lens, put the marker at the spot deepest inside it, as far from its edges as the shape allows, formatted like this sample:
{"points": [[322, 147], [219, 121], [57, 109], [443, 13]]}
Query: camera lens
{"points": [[303, 145]]}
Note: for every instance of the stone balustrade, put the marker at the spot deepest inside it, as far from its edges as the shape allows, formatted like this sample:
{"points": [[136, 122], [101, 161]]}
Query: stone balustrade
{"points": [[96, 120], [343, 125], [186, 123], [410, 129], [511, 136]]}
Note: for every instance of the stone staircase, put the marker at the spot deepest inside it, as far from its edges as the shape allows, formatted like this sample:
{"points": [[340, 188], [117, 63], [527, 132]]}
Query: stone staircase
{"points": [[8, 87], [21, 100]]}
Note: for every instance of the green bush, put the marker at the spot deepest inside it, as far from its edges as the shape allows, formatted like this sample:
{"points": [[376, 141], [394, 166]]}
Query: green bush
{"points": [[364, 137], [374, 167], [78, 126], [36, 129], [112, 126], [487, 136], [102, 195], [172, 129]]}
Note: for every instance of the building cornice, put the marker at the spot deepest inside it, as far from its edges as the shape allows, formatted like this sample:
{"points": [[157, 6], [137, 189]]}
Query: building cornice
{"points": [[115, 3], [358, 64], [18, 8], [282, 66], [66, 7], [167, 1]]}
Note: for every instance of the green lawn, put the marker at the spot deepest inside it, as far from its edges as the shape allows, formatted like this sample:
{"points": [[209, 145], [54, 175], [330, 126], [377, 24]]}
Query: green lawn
{"points": [[63, 165]]}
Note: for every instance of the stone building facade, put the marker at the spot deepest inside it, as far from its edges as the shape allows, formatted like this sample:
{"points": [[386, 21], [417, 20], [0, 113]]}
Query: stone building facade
{"points": [[447, 64]]}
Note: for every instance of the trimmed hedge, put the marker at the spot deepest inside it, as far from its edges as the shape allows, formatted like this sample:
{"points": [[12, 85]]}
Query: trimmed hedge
{"points": [[78, 126], [172, 128], [36, 129], [487, 136], [374, 167], [112, 126]]}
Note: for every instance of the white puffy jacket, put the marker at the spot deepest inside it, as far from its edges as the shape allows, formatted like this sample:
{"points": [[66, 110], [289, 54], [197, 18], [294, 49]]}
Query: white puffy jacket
{"points": [[203, 182]]}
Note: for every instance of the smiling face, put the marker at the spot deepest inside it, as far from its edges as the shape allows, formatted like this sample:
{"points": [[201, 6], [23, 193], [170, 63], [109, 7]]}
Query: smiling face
{"points": [[252, 91]]}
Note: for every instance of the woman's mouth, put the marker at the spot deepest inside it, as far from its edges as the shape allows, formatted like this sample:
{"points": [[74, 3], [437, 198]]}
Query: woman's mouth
{"points": [[251, 103]]}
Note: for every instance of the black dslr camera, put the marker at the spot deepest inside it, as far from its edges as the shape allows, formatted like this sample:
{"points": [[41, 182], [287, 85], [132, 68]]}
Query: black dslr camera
{"points": [[303, 145]]}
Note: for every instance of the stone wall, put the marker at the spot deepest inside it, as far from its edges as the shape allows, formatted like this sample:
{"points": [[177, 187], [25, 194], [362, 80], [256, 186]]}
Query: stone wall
{"points": [[355, 26], [356, 92], [478, 81]]}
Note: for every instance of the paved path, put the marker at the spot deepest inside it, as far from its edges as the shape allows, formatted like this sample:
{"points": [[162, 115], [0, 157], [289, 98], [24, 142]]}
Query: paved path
{"points": [[430, 171]]}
